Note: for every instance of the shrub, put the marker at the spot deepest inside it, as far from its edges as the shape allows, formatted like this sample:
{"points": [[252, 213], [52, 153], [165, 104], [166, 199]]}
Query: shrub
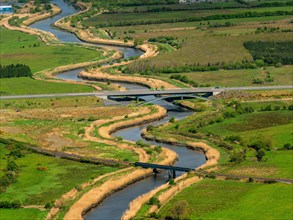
{"points": [[172, 120], [119, 138], [238, 156], [81, 131], [192, 130], [260, 154], [91, 118], [150, 128], [49, 205], [158, 149], [154, 201], [171, 182], [250, 180], [288, 146], [15, 204]]}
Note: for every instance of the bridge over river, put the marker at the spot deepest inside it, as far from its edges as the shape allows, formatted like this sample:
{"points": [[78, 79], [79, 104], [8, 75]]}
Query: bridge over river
{"points": [[172, 169], [148, 92]]}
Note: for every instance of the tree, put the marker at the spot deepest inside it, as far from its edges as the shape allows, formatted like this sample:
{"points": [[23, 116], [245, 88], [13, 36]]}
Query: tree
{"points": [[260, 154], [180, 209]]}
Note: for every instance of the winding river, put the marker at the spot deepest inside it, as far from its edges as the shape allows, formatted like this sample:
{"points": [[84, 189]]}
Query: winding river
{"points": [[114, 206]]}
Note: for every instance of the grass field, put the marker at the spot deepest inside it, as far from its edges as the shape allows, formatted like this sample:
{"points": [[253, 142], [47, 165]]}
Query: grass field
{"points": [[202, 48], [25, 214], [215, 199], [38, 186], [249, 126], [50, 103], [114, 19], [17, 47], [226, 78], [62, 129], [25, 85]]}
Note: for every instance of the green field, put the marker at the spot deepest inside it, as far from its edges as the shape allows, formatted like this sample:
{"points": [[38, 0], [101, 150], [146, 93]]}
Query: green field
{"points": [[50, 103], [216, 199], [226, 78], [24, 214], [43, 179], [254, 124], [25, 85], [37, 55], [122, 19]]}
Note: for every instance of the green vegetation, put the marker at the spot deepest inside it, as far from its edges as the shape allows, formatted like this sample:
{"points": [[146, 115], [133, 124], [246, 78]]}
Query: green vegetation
{"points": [[246, 77], [271, 52], [139, 18], [24, 85], [50, 103], [255, 135], [18, 70], [12, 214], [17, 47], [231, 200], [40, 179]]}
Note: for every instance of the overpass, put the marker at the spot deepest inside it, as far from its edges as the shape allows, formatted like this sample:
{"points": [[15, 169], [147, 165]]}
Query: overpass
{"points": [[147, 92], [172, 169]]}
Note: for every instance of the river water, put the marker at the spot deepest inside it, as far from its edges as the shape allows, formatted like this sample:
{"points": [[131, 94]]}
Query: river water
{"points": [[114, 206]]}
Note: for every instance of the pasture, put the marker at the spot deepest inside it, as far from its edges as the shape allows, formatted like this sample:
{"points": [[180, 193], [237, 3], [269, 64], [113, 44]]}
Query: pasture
{"points": [[25, 85], [124, 19], [41, 179], [244, 77], [63, 128], [25, 214], [18, 47], [214, 199]]}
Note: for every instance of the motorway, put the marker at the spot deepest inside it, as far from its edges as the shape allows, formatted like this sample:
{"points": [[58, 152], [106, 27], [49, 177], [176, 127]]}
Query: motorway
{"points": [[145, 92]]}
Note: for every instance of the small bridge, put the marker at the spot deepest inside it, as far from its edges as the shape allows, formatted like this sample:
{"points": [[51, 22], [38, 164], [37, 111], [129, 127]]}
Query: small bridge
{"points": [[172, 97], [172, 169]]}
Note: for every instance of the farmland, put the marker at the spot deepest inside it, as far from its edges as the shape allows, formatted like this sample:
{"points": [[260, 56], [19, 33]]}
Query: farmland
{"points": [[267, 122], [25, 85], [211, 199], [17, 47], [125, 19], [225, 78]]}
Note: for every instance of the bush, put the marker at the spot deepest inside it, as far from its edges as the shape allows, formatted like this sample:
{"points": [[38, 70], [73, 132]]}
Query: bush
{"points": [[154, 201], [238, 156], [192, 130], [288, 146], [49, 205], [158, 149], [260, 154], [171, 182], [15, 204], [119, 138], [150, 128], [172, 120], [81, 131], [250, 180]]}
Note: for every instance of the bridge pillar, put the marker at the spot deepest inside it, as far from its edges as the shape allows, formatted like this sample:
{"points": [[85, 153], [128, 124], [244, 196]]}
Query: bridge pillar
{"points": [[174, 174], [155, 171]]}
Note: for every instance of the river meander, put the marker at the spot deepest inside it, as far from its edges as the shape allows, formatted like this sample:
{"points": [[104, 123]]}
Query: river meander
{"points": [[113, 206]]}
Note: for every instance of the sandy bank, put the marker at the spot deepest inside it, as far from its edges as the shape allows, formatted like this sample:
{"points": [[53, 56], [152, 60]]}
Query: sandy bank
{"points": [[99, 75]]}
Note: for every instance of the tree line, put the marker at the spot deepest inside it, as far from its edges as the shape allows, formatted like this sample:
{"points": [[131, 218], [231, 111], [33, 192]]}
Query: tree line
{"points": [[271, 52], [12, 70]]}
